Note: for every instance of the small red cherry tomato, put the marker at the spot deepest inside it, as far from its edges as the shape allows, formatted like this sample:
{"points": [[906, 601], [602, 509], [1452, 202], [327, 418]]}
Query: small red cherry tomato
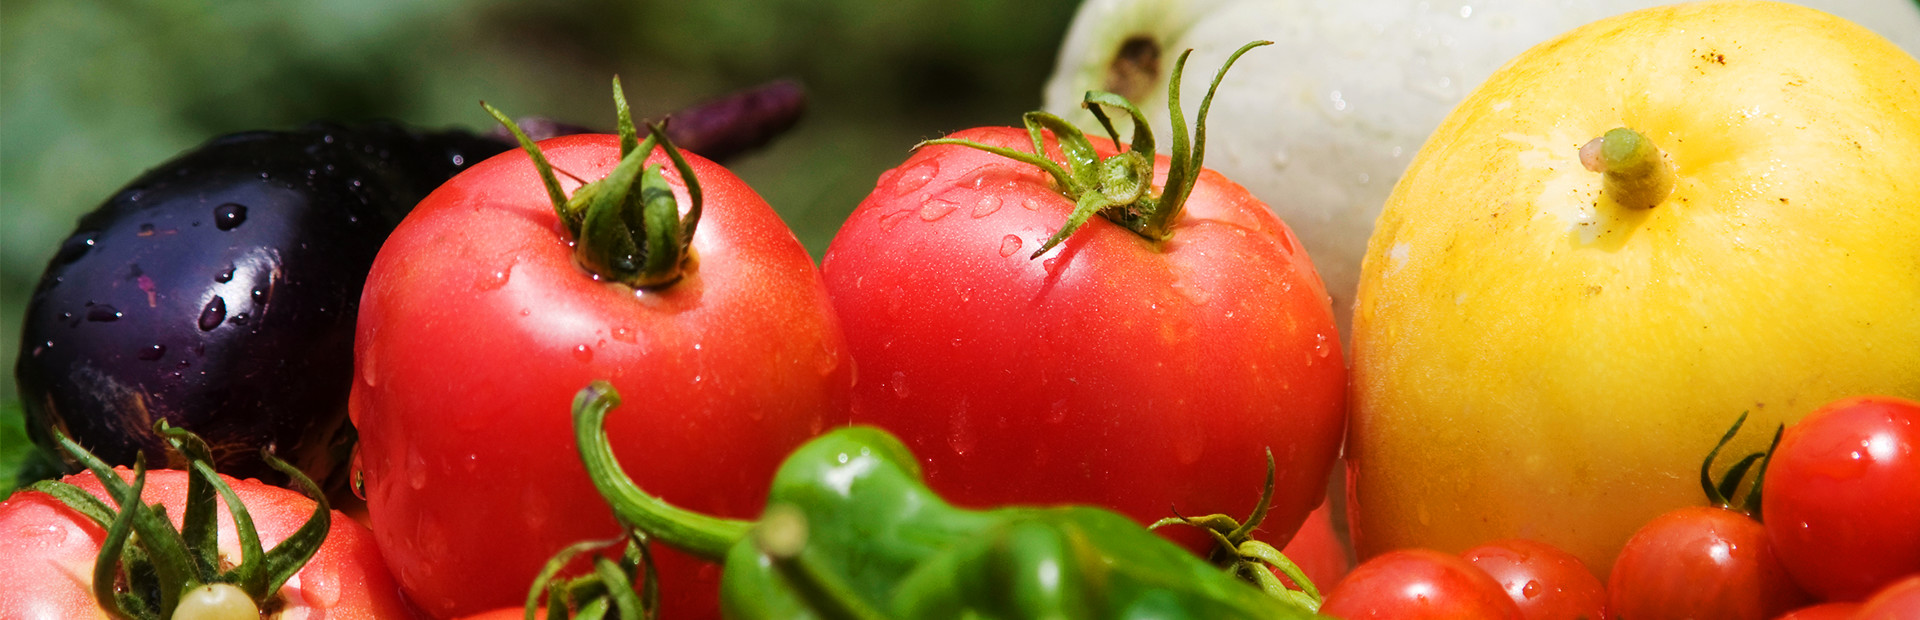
{"points": [[1900, 601], [1702, 563], [1544, 581], [1418, 584], [1842, 497], [1823, 611]]}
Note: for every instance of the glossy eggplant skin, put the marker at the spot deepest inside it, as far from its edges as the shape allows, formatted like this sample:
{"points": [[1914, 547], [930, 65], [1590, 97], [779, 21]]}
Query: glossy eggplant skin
{"points": [[219, 291]]}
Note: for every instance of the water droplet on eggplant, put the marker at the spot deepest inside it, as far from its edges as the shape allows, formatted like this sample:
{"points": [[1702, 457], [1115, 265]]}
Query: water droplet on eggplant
{"points": [[229, 216], [103, 313], [213, 314], [151, 352]]}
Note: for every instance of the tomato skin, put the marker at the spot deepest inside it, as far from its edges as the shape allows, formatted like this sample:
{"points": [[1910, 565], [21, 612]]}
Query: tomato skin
{"points": [[1842, 497], [477, 328], [1703, 563], [1111, 371], [1544, 581], [1898, 601], [1318, 550], [1823, 611], [47, 556], [1418, 584]]}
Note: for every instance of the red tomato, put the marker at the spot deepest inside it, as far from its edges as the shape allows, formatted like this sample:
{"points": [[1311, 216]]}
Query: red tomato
{"points": [[1318, 550], [1113, 370], [1823, 611], [1418, 584], [1899, 601], [1702, 563], [48, 551], [476, 329], [1543, 580], [1842, 497]]}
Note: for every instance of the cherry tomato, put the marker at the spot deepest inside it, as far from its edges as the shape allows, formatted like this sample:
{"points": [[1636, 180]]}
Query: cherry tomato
{"points": [[1704, 563], [1823, 611], [1144, 376], [477, 327], [1418, 584], [1899, 601], [47, 554], [1842, 497], [1543, 580]]}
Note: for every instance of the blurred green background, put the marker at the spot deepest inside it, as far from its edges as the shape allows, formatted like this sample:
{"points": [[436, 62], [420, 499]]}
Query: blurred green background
{"points": [[92, 92]]}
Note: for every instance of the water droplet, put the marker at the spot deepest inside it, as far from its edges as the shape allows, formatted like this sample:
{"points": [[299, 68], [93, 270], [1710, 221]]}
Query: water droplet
{"points": [[987, 206], [1057, 413], [213, 314], [843, 458], [239, 319], [1008, 245], [935, 208], [229, 216], [471, 463], [259, 296], [899, 384], [1281, 158], [74, 247], [357, 480], [416, 469], [151, 352], [224, 276], [1532, 589], [1030, 204], [493, 280], [583, 353], [625, 334], [890, 220], [916, 177], [1322, 346], [960, 435], [1053, 265], [103, 313]]}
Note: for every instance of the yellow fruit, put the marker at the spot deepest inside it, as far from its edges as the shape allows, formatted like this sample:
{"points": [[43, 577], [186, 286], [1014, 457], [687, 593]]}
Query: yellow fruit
{"points": [[1537, 354]]}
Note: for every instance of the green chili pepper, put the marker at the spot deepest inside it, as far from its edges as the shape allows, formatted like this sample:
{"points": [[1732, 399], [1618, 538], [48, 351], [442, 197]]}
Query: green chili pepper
{"points": [[853, 531]]}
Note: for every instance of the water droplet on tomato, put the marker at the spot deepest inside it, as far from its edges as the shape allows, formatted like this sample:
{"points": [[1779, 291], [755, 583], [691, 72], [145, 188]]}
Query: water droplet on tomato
{"points": [[471, 463], [1532, 589], [890, 220], [1030, 204], [213, 314], [103, 313], [960, 433], [935, 208], [583, 353], [899, 385], [1322, 346], [916, 177], [1053, 265], [357, 476], [624, 334], [986, 206], [1008, 245], [151, 352], [1057, 413], [416, 469], [229, 216]]}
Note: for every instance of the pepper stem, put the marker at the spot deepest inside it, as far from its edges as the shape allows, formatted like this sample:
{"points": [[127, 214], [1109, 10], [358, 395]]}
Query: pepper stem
{"points": [[705, 536], [1638, 175]]}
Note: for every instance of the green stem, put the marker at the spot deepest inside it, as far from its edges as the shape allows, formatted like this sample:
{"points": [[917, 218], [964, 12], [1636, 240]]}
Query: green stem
{"points": [[704, 536], [1637, 174]]}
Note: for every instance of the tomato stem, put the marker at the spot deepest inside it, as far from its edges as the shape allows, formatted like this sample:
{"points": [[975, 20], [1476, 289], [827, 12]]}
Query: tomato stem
{"points": [[1637, 174], [626, 226], [1117, 186], [705, 536]]}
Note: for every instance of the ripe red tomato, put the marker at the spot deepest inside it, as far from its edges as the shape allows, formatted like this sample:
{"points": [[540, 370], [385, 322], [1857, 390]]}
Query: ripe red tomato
{"points": [[1544, 581], [1899, 601], [1842, 497], [48, 551], [1418, 584], [1318, 550], [1703, 563], [1823, 611], [1113, 370], [478, 326]]}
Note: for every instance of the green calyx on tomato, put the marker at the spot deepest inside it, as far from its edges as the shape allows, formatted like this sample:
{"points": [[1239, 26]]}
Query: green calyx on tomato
{"points": [[606, 591], [1117, 187], [627, 226], [147, 568], [1237, 551], [1721, 493]]}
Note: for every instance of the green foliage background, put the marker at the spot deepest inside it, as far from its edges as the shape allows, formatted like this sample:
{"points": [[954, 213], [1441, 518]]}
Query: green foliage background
{"points": [[92, 92]]}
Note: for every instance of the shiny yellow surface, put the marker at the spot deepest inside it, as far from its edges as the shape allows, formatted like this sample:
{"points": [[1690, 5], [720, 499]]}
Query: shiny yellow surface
{"points": [[1533, 360]]}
